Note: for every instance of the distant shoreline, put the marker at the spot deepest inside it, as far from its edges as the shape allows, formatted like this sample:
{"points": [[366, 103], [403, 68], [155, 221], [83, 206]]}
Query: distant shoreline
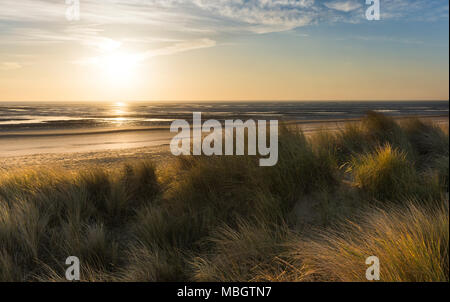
{"points": [[109, 148], [112, 130]]}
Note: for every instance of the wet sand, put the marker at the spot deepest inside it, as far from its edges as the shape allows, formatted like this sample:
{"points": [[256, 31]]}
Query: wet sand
{"points": [[108, 147]]}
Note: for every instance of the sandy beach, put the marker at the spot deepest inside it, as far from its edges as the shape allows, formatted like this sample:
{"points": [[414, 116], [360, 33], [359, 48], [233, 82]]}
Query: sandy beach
{"points": [[68, 149]]}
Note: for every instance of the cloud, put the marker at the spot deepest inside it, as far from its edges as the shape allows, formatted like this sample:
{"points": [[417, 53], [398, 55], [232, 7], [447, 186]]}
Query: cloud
{"points": [[201, 17], [9, 66], [343, 6], [262, 16], [165, 27], [181, 47], [164, 51]]}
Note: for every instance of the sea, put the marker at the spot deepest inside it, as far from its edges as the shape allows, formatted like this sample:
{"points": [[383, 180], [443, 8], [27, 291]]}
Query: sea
{"points": [[23, 116]]}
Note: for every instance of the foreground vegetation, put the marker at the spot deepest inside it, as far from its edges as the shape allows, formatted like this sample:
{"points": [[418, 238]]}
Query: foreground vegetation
{"points": [[374, 188]]}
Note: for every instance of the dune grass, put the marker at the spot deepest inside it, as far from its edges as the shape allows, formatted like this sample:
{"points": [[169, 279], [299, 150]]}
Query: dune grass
{"points": [[387, 174], [411, 242], [332, 199], [237, 254]]}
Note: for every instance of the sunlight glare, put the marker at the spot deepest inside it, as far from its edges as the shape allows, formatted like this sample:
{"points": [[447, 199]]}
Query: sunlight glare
{"points": [[119, 108], [120, 104], [119, 68]]}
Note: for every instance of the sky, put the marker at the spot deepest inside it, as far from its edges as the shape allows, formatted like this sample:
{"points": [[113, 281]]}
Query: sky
{"points": [[199, 50]]}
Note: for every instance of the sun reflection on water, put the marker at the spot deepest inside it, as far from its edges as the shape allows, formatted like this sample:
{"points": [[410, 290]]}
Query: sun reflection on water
{"points": [[119, 109]]}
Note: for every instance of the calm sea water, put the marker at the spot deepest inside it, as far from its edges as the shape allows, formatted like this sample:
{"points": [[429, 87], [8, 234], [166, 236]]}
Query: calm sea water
{"points": [[22, 116]]}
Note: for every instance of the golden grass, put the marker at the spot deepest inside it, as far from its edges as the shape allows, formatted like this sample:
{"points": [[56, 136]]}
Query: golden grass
{"points": [[385, 174], [411, 242], [227, 219]]}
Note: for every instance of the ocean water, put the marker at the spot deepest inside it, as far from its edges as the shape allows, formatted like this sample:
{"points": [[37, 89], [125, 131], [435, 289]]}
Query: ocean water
{"points": [[35, 116]]}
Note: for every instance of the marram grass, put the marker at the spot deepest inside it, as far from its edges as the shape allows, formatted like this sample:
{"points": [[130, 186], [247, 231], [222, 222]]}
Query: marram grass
{"points": [[375, 188], [411, 242]]}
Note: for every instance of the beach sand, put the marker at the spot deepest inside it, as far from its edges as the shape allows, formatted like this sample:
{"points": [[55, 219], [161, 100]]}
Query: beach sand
{"points": [[109, 147]]}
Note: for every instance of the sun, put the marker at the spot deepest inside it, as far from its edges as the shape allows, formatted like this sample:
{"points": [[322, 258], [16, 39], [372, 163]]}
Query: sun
{"points": [[119, 68]]}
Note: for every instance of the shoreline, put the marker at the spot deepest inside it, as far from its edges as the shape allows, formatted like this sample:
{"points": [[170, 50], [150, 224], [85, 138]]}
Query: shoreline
{"points": [[107, 149], [6, 133]]}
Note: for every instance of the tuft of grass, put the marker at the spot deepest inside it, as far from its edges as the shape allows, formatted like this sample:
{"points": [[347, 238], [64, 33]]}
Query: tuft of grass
{"points": [[431, 144], [153, 264], [300, 170], [429, 140], [49, 215], [140, 180], [387, 174], [410, 245], [350, 141], [441, 166], [382, 130], [237, 254], [375, 130]]}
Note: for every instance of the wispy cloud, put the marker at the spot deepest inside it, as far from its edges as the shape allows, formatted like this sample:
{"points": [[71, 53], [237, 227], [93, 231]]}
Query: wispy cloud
{"points": [[180, 47], [344, 6], [10, 65], [165, 51], [164, 27]]}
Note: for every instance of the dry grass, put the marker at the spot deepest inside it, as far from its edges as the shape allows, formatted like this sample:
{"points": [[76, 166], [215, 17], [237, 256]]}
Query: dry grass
{"points": [[387, 174], [227, 219], [411, 242], [237, 254]]}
